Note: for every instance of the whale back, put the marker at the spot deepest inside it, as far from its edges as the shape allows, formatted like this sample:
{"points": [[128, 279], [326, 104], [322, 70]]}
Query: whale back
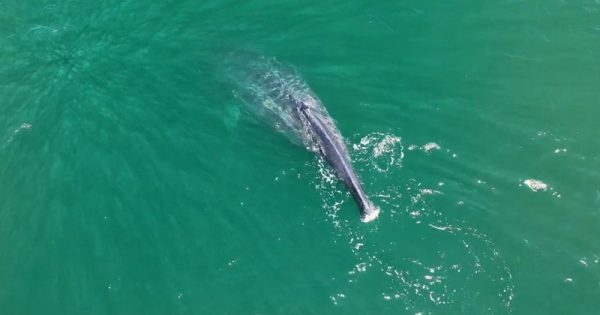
{"points": [[265, 86]]}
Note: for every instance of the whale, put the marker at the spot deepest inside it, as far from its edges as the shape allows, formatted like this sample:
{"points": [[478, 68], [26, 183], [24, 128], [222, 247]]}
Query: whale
{"points": [[277, 95], [331, 147]]}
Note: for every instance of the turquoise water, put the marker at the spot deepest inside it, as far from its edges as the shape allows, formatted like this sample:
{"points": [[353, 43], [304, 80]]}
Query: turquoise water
{"points": [[132, 181]]}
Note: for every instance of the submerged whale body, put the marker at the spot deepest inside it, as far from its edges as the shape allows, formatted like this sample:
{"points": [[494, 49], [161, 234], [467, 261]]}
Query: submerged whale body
{"points": [[277, 95]]}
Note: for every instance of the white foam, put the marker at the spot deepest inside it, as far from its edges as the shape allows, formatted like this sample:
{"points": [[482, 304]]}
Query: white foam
{"points": [[441, 228], [431, 146], [535, 185], [386, 145], [383, 151]]}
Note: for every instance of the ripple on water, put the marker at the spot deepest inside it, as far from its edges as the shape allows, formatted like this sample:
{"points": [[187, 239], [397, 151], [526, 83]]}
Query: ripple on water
{"points": [[437, 262]]}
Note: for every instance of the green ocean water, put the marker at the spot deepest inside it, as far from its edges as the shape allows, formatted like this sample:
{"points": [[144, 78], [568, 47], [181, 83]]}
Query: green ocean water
{"points": [[132, 181]]}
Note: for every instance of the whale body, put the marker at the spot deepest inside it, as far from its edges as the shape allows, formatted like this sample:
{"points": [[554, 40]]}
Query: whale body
{"points": [[277, 95]]}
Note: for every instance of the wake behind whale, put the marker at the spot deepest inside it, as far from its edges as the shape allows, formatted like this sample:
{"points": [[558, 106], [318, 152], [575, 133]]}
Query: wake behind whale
{"points": [[275, 94]]}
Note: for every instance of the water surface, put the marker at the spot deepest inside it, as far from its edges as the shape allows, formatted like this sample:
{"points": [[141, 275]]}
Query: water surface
{"points": [[133, 182]]}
